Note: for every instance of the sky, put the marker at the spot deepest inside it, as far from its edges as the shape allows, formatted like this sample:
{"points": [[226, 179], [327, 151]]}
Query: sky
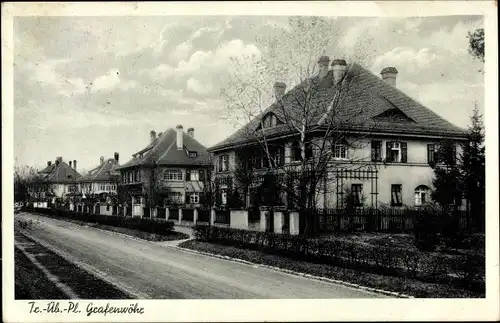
{"points": [[86, 87]]}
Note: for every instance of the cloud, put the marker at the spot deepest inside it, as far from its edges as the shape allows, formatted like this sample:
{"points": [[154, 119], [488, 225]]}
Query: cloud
{"points": [[199, 87], [112, 80], [181, 51], [218, 58], [44, 74], [411, 60]]}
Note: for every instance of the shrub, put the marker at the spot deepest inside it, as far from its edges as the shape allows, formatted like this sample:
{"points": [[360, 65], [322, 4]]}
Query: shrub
{"points": [[377, 259], [426, 229]]}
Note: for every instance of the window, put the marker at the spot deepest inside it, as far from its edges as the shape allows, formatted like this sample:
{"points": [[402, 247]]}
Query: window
{"points": [[278, 156], [421, 195], [194, 198], [223, 163], [173, 175], [224, 196], [431, 153], [340, 151], [192, 175], [396, 152], [376, 150], [193, 154], [269, 121], [396, 195], [357, 190], [296, 151], [175, 198], [130, 179]]}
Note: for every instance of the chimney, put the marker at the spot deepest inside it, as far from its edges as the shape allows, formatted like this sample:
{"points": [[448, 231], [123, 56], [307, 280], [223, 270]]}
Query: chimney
{"points": [[389, 75], [279, 90], [117, 157], [70, 164], [153, 135], [338, 67], [58, 160], [49, 163], [191, 132], [180, 137], [323, 63], [74, 164], [101, 159]]}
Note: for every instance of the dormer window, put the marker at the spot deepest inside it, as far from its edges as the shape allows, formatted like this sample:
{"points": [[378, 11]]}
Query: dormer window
{"points": [[193, 154], [270, 120]]}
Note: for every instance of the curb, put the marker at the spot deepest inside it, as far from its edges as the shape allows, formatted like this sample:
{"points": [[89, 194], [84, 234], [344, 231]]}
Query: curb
{"points": [[296, 273]]}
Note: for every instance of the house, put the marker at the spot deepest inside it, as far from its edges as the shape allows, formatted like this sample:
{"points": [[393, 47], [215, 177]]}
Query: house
{"points": [[383, 154], [170, 170], [56, 180], [100, 184]]}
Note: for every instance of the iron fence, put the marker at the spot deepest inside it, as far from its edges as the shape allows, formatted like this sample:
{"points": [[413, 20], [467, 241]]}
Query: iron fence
{"points": [[204, 215], [188, 215], [173, 214], [161, 213], [222, 216], [375, 220]]}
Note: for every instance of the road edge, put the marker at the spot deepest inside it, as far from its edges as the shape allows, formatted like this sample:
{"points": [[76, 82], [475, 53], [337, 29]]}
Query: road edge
{"points": [[88, 268], [296, 273]]}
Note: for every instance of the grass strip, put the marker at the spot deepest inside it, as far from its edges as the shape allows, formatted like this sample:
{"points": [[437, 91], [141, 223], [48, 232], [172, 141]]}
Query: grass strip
{"points": [[174, 235], [402, 285]]}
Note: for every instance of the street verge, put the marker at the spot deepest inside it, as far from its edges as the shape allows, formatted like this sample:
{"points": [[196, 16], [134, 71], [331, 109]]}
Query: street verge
{"points": [[387, 285]]}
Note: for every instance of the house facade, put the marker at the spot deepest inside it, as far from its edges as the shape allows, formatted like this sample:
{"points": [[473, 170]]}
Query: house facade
{"points": [[100, 184], [170, 170], [57, 180], [380, 143]]}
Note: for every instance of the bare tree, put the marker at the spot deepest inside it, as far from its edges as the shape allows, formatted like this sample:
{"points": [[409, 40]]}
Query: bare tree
{"points": [[310, 113]]}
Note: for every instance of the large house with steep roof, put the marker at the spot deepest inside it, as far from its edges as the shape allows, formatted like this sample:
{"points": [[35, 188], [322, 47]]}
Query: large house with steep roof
{"points": [[388, 140], [171, 169], [102, 179], [56, 180]]}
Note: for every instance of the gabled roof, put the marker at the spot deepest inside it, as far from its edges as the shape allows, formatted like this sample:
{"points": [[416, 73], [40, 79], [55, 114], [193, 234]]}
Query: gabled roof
{"points": [[359, 99], [163, 152], [102, 173], [59, 173]]}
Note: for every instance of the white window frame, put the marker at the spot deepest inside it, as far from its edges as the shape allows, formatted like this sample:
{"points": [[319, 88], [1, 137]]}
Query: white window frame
{"points": [[173, 175], [225, 163], [194, 197], [342, 151], [194, 175], [176, 197], [396, 146], [419, 193]]}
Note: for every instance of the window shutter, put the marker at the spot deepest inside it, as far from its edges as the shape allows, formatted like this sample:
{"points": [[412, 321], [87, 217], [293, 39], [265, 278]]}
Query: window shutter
{"points": [[374, 150], [454, 156], [188, 175], [430, 153], [388, 155], [202, 175], [282, 156], [404, 152]]}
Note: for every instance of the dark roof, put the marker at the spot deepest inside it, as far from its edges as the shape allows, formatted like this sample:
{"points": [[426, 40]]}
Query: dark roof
{"points": [[363, 97], [163, 151], [103, 172], [59, 173]]}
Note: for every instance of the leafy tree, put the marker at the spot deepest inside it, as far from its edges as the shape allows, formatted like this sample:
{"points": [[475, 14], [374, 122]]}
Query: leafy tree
{"points": [[24, 176], [446, 181], [476, 43], [473, 167]]}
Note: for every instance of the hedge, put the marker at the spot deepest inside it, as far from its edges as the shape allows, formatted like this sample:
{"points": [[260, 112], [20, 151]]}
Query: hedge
{"points": [[141, 224], [465, 271]]}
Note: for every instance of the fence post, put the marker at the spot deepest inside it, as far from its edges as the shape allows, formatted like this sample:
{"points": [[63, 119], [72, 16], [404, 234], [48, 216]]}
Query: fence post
{"points": [[195, 215], [294, 223], [212, 217], [167, 213], [180, 215], [264, 214]]}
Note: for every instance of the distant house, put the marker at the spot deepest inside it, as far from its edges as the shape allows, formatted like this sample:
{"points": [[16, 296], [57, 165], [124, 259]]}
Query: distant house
{"points": [[396, 138], [56, 180], [170, 170], [101, 182]]}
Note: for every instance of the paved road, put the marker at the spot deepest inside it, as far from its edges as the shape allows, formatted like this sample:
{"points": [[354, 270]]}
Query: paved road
{"points": [[160, 271]]}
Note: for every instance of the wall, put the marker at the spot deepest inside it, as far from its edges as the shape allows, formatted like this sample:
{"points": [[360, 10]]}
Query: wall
{"points": [[239, 219]]}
